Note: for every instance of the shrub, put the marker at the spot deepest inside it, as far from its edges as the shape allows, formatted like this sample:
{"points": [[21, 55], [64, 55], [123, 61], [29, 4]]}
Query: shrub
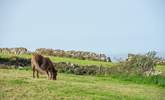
{"points": [[137, 64], [144, 64]]}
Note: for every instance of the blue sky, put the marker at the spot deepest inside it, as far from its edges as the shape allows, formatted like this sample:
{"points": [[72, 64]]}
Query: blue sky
{"points": [[102, 26]]}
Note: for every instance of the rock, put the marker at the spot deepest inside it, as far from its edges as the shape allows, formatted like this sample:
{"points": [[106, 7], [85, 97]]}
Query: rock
{"points": [[13, 50], [83, 55]]}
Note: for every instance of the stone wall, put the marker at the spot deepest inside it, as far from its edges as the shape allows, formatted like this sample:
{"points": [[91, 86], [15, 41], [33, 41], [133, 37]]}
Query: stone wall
{"points": [[84, 55], [13, 50], [130, 56], [62, 67], [160, 62], [66, 67], [15, 61]]}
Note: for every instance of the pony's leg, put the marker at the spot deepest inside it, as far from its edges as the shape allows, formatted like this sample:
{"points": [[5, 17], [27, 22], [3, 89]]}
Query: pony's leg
{"points": [[51, 75], [48, 74], [33, 68], [37, 74]]}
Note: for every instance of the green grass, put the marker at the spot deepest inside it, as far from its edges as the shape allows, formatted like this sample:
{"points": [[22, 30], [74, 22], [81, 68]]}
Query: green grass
{"points": [[63, 59], [18, 84], [158, 80], [81, 62]]}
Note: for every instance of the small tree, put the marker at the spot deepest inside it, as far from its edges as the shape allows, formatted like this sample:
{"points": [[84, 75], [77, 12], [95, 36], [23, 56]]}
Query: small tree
{"points": [[136, 64], [144, 64]]}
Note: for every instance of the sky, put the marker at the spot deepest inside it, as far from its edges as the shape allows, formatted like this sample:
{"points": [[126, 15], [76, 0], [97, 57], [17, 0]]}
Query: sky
{"points": [[112, 27]]}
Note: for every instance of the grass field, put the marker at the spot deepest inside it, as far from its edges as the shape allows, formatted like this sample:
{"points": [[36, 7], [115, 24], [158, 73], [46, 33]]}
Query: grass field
{"points": [[18, 84]]}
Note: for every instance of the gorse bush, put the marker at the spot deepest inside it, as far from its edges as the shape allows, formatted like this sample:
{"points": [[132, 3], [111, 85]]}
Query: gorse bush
{"points": [[137, 64], [144, 64]]}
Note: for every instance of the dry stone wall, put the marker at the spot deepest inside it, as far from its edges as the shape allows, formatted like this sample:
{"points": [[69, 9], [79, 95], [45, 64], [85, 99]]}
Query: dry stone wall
{"points": [[83, 55], [13, 50]]}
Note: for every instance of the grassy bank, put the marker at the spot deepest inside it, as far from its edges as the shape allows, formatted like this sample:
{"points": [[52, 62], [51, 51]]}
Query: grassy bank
{"points": [[161, 68], [19, 84], [63, 59]]}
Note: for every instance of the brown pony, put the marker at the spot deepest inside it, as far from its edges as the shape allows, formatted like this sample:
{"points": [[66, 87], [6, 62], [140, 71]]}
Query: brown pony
{"points": [[43, 65]]}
